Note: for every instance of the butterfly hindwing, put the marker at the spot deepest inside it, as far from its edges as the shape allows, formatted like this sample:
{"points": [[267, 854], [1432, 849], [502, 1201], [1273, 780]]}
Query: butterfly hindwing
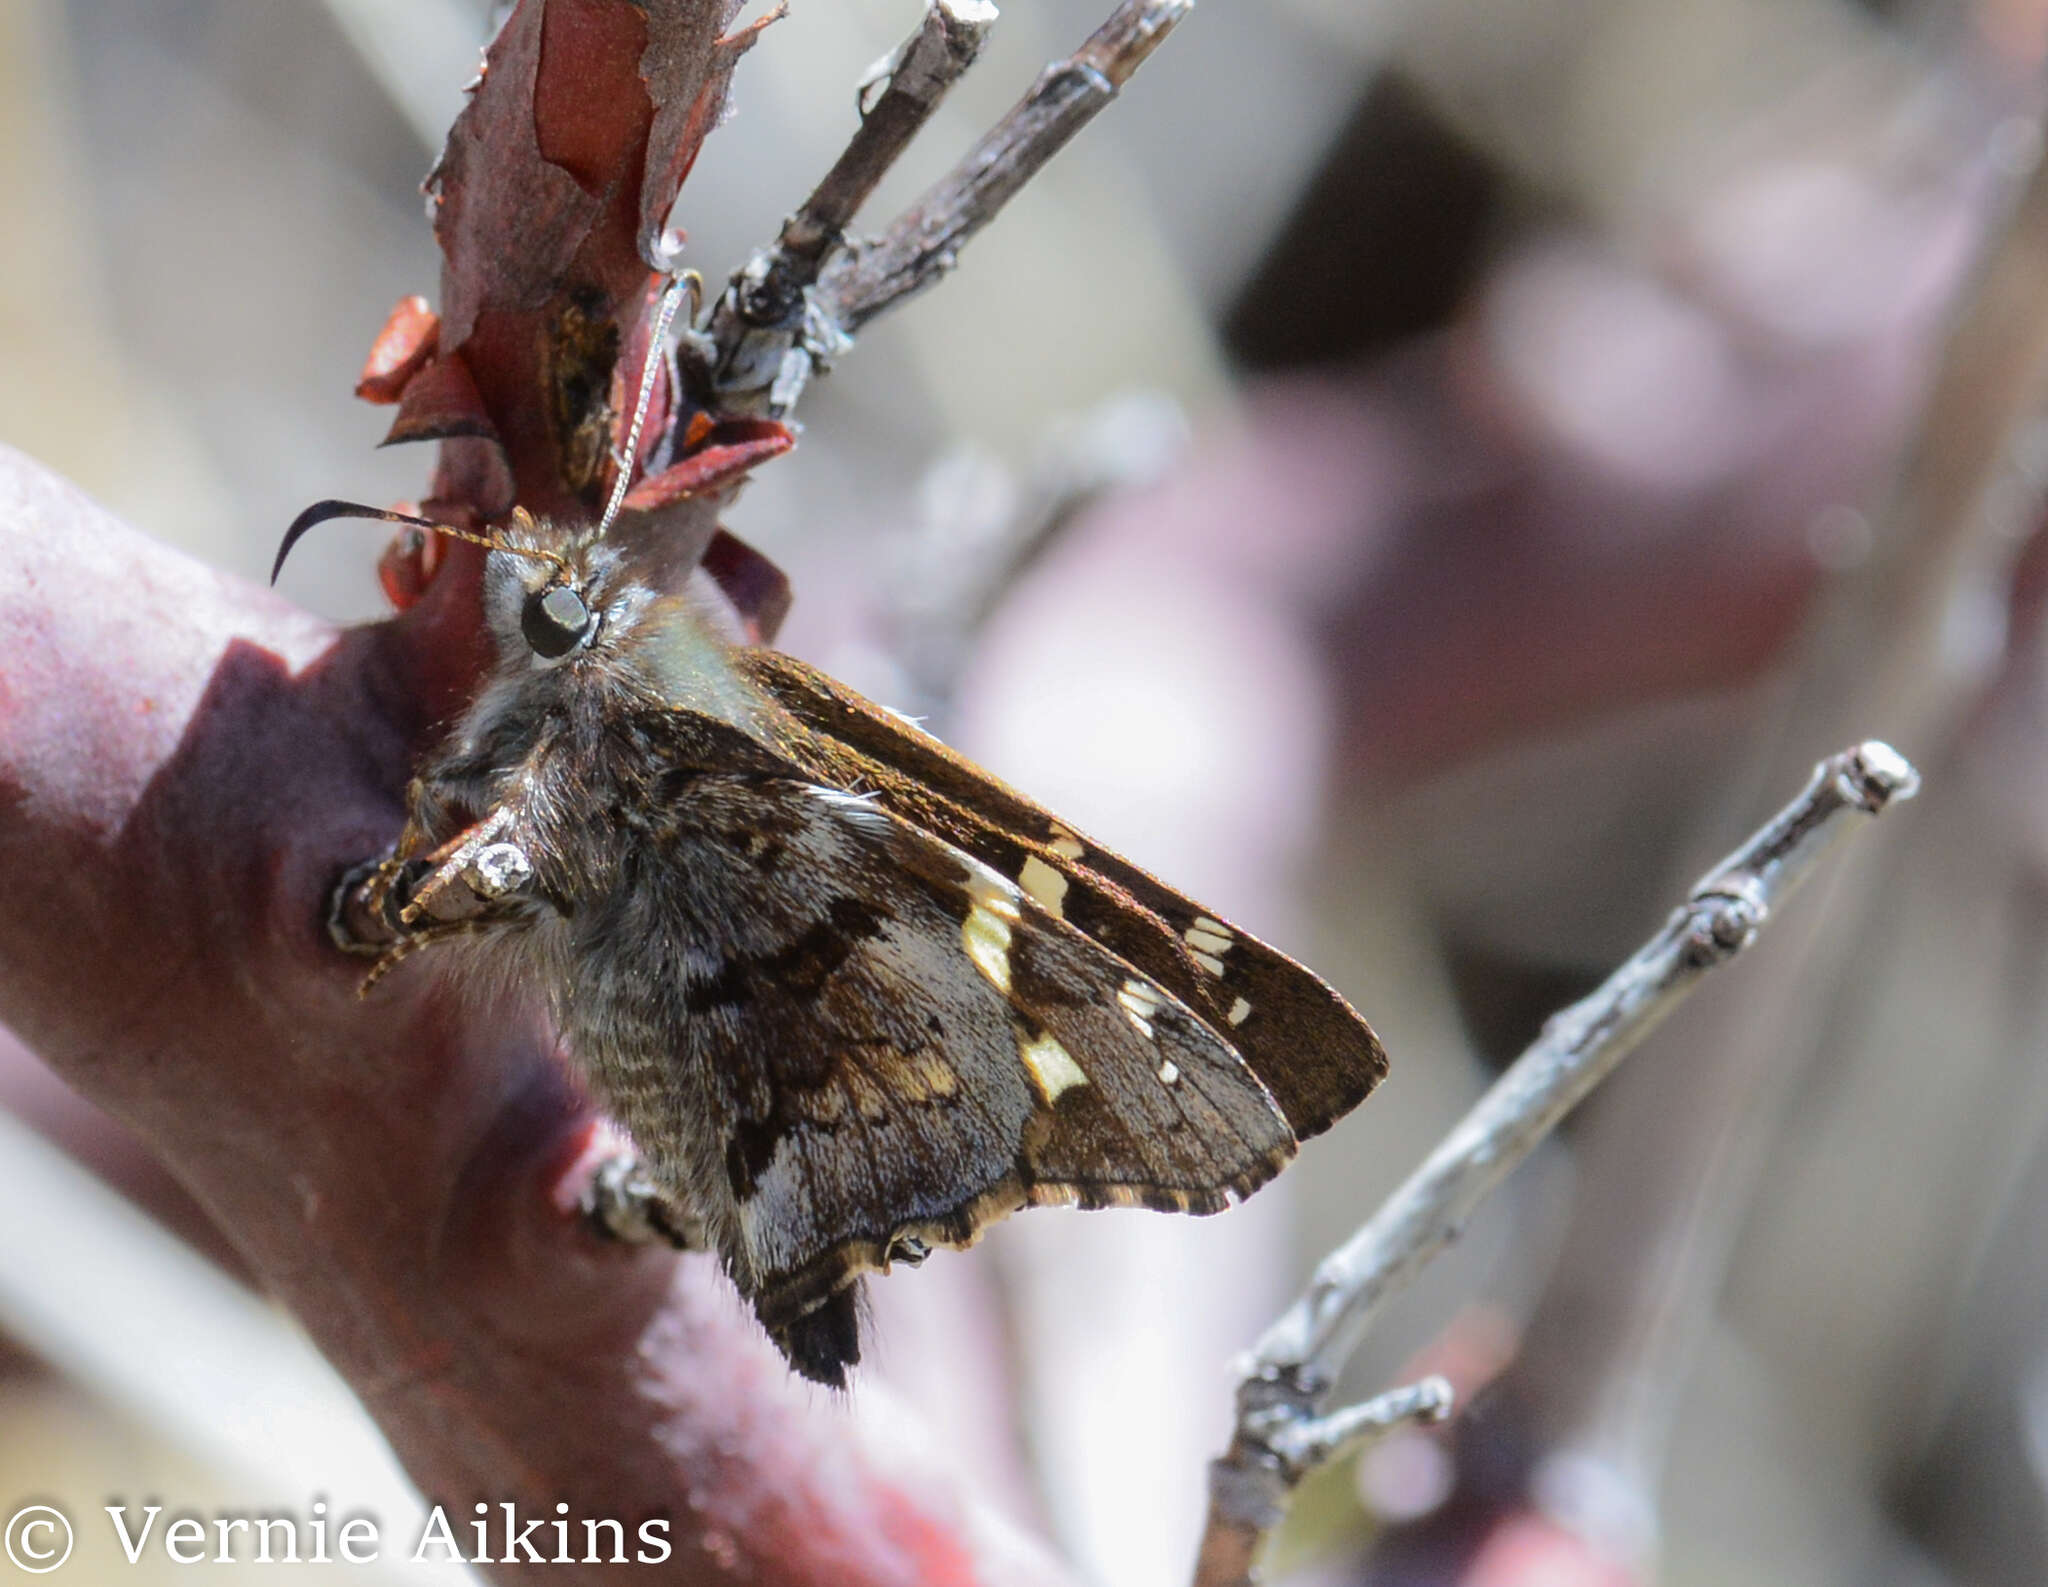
{"points": [[896, 1043], [1314, 1052]]}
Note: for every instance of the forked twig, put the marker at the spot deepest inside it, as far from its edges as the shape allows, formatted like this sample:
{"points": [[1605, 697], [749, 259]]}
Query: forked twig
{"points": [[1282, 1431], [924, 242], [797, 304], [763, 313]]}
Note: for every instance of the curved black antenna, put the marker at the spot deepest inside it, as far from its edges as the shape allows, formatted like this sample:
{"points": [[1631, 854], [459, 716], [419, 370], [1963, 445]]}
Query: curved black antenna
{"points": [[321, 511]]}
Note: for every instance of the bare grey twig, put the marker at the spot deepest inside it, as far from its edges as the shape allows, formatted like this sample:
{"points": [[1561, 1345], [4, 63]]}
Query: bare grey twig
{"points": [[796, 306], [1303, 1446], [1879, 653], [1282, 1432], [761, 315], [925, 241]]}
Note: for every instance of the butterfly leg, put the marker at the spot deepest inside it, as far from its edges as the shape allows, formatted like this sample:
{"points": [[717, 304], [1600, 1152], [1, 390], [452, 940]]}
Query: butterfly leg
{"points": [[381, 904], [488, 867], [624, 1204]]}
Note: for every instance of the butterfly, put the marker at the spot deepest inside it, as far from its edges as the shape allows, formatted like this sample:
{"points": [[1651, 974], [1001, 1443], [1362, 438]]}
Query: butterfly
{"points": [[851, 996]]}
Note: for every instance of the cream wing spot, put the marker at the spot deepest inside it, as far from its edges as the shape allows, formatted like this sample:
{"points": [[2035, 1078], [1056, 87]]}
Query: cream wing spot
{"points": [[1047, 888], [985, 933], [1066, 845], [1052, 1067], [1140, 1003], [1240, 1011], [1208, 940], [1169, 1072]]}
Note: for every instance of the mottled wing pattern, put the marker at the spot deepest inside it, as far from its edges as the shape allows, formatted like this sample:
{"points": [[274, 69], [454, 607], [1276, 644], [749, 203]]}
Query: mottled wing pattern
{"points": [[1312, 1050], [893, 1043]]}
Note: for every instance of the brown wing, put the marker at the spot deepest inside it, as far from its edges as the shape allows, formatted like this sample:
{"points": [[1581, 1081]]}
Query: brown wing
{"points": [[1312, 1050], [888, 1042]]}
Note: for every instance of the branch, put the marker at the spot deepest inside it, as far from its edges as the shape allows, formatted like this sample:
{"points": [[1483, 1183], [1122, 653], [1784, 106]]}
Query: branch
{"points": [[926, 239], [762, 313], [1303, 1445], [1634, 1298], [1281, 1433], [767, 374]]}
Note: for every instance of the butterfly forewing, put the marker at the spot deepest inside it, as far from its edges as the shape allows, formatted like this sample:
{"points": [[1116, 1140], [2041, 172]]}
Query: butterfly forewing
{"points": [[1312, 1050], [895, 1041]]}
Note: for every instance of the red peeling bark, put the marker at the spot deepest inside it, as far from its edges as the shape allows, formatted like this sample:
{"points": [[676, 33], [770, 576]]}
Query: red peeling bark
{"points": [[440, 402], [402, 349], [727, 454], [550, 202]]}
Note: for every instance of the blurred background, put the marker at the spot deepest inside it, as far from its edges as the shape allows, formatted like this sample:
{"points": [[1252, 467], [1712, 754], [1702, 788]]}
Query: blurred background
{"points": [[1426, 479]]}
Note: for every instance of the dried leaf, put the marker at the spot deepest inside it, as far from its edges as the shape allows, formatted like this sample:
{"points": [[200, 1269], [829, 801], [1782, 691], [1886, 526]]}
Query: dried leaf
{"points": [[729, 452], [402, 349], [441, 401]]}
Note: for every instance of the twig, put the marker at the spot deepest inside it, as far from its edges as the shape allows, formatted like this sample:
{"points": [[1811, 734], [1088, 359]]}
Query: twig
{"points": [[1281, 1431], [1305, 1445], [762, 313], [766, 373], [1879, 653], [925, 240]]}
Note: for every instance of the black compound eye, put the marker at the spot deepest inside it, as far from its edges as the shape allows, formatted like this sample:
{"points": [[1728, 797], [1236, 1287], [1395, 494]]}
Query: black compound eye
{"points": [[555, 621]]}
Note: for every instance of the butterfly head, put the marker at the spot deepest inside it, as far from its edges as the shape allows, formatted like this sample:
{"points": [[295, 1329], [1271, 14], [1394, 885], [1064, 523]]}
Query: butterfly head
{"points": [[549, 581], [576, 609], [548, 595]]}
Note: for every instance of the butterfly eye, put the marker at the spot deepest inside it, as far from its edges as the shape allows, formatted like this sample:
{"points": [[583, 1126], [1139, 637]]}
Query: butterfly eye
{"points": [[555, 621]]}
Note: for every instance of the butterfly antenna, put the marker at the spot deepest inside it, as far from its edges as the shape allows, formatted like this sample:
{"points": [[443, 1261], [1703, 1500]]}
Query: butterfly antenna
{"points": [[321, 511], [672, 296]]}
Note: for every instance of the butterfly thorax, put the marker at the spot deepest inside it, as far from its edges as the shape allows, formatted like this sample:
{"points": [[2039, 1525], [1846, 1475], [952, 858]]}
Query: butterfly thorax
{"points": [[593, 730], [617, 763]]}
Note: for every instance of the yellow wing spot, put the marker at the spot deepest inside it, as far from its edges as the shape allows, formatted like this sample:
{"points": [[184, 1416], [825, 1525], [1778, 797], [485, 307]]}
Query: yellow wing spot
{"points": [[985, 933], [987, 890], [1066, 845], [1240, 1011], [926, 1077], [868, 1099], [1140, 1002], [1169, 1072], [1052, 1067], [1045, 885]]}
